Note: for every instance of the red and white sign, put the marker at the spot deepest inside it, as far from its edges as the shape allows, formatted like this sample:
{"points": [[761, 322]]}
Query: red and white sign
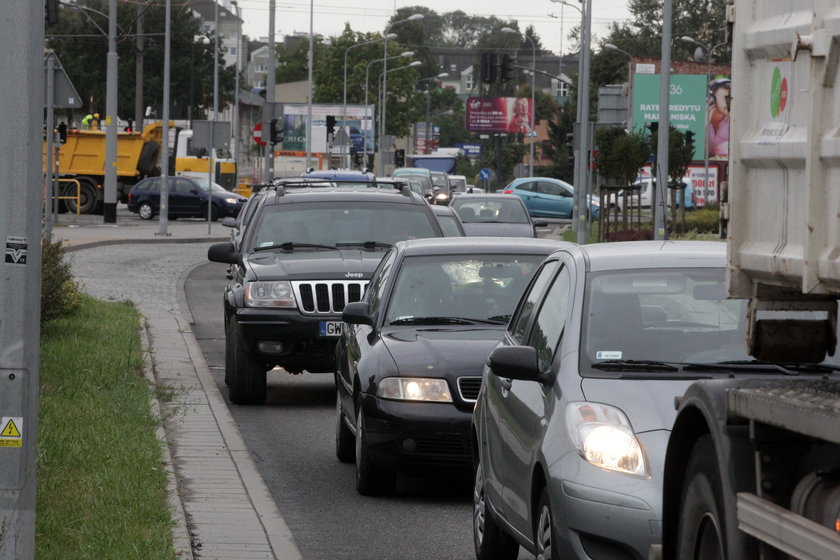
{"points": [[257, 134]]}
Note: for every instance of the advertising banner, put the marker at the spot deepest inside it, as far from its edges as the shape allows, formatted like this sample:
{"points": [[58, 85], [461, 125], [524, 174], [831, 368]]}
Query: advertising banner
{"points": [[358, 123], [499, 114]]}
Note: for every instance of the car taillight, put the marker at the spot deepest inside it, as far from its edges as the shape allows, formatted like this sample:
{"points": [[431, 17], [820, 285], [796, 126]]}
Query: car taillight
{"points": [[507, 191]]}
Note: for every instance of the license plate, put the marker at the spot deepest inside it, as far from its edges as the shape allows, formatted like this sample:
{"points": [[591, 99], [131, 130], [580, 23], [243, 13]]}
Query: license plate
{"points": [[331, 328]]}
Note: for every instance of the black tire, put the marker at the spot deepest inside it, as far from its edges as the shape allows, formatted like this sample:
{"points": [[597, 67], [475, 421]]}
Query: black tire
{"points": [[88, 199], [246, 382], [701, 525], [545, 543], [345, 441], [370, 480], [490, 542], [145, 210], [214, 213]]}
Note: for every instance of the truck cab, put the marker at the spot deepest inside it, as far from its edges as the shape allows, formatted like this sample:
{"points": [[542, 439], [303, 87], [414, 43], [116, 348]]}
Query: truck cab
{"points": [[193, 162]]}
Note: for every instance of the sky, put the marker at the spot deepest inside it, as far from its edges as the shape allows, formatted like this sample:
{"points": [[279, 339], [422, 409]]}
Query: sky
{"points": [[330, 16]]}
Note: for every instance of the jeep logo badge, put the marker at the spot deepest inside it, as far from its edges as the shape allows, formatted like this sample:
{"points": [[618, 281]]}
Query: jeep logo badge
{"points": [[354, 275]]}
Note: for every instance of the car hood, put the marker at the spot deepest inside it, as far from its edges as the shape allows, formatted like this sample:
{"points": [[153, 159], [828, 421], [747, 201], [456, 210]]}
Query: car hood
{"points": [[442, 350], [648, 404], [317, 264], [500, 229]]}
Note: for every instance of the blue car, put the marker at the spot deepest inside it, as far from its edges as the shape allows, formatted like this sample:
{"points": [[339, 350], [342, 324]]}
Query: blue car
{"points": [[545, 197], [188, 197]]}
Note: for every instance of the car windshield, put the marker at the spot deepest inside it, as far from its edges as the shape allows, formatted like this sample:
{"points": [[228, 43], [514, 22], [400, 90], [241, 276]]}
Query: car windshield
{"points": [[439, 180], [374, 225], [472, 210], [458, 183], [461, 289], [203, 183]]}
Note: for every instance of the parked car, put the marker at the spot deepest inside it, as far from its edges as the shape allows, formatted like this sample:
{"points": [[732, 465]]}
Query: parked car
{"points": [[642, 194], [304, 256], [449, 221], [188, 198], [577, 401], [495, 214], [546, 197], [408, 364]]}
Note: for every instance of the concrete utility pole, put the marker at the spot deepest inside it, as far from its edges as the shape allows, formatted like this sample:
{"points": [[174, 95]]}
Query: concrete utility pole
{"points": [[139, 110], [21, 111], [310, 61], [109, 213], [268, 107], [582, 157], [660, 200], [164, 145]]}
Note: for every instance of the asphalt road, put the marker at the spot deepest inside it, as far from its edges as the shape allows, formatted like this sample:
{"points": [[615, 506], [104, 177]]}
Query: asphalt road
{"points": [[292, 439]]}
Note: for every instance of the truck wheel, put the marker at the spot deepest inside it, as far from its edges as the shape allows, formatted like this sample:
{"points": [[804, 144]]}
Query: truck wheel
{"points": [[214, 213], [145, 211], [370, 480], [87, 202], [246, 383], [701, 526], [489, 540], [345, 441]]}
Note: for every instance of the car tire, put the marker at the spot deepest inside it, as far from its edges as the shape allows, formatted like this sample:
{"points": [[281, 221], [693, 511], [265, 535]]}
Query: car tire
{"points": [[246, 382], [545, 545], [214, 213], [345, 441], [229, 364], [145, 211], [701, 528], [370, 480], [491, 543]]}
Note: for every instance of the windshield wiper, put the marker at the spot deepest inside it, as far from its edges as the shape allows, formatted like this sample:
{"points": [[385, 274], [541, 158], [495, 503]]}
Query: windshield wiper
{"points": [[437, 321], [634, 365], [366, 244], [292, 245], [499, 318], [758, 365]]}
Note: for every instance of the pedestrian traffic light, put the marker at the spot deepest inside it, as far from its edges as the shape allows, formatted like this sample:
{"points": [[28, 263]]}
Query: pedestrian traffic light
{"points": [[62, 132], [330, 125], [488, 67], [570, 141], [276, 133], [399, 158], [689, 138], [506, 71]]}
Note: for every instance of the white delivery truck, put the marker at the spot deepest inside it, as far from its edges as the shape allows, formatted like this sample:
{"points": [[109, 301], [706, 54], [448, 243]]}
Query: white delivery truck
{"points": [[753, 466]]}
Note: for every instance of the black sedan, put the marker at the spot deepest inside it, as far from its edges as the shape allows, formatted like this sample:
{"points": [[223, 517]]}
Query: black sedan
{"points": [[188, 197], [410, 358]]}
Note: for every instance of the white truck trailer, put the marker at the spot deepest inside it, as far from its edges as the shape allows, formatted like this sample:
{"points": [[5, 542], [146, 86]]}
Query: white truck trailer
{"points": [[753, 467]]}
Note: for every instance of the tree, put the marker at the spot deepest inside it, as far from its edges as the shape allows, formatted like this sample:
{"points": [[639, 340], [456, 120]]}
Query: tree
{"points": [[620, 155]]}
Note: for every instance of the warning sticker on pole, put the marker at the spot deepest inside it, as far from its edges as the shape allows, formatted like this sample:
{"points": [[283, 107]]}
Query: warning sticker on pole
{"points": [[11, 431], [16, 248]]}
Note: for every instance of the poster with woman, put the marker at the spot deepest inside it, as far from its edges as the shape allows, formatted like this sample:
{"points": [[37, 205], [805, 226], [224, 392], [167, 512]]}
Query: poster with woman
{"points": [[717, 127]]}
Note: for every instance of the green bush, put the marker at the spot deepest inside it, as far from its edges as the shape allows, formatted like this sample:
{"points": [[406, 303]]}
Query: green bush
{"points": [[703, 220], [60, 294]]}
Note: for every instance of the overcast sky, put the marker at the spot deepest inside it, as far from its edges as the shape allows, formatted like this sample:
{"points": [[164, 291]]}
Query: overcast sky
{"points": [[330, 16]]}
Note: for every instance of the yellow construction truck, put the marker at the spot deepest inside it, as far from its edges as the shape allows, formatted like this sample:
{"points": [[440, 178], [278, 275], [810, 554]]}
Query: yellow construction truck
{"points": [[80, 164]]}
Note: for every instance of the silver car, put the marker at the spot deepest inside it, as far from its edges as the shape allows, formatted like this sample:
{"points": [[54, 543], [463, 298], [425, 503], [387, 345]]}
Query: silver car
{"points": [[577, 400]]}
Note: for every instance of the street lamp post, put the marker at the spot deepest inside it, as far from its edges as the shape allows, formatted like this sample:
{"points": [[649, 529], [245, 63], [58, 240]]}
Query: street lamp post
{"points": [[383, 77], [532, 132], [367, 76], [427, 147], [413, 17], [611, 47], [236, 123], [709, 52]]}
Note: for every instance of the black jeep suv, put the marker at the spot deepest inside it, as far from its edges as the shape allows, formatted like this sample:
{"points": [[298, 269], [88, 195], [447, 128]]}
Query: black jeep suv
{"points": [[304, 256]]}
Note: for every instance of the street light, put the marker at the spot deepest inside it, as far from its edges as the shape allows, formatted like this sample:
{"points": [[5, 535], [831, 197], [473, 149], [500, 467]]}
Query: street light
{"points": [[383, 77], [611, 47], [427, 147], [347, 50], [709, 52], [533, 133], [236, 123], [367, 76], [413, 17]]}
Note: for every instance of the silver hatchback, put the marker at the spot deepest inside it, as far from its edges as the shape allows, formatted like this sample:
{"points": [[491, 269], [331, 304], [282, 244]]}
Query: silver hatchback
{"points": [[577, 401]]}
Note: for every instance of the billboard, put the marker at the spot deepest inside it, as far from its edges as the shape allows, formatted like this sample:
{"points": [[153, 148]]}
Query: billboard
{"points": [[358, 123], [499, 114]]}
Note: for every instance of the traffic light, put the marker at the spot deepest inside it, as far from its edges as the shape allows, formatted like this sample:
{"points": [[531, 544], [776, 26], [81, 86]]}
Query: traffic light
{"points": [[330, 125], [62, 132], [276, 133], [488, 67], [51, 11], [689, 138], [399, 158], [506, 68], [653, 126]]}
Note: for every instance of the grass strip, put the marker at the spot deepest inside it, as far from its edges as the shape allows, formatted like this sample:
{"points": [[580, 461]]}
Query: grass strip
{"points": [[101, 488]]}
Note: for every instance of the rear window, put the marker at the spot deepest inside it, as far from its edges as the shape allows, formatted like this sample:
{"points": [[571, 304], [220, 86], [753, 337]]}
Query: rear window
{"points": [[333, 223]]}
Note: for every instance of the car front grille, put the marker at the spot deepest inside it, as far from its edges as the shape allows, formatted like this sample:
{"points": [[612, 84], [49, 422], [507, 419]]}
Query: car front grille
{"points": [[468, 388], [327, 297]]}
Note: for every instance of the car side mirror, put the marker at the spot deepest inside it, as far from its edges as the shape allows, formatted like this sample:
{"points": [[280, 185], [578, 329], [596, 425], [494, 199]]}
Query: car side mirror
{"points": [[357, 313], [223, 253], [229, 221], [515, 362]]}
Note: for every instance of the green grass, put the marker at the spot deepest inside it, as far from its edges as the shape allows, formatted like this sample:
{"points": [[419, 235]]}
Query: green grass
{"points": [[101, 488]]}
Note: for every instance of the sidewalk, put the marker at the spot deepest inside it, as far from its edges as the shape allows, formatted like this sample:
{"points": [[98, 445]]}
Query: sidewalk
{"points": [[221, 505]]}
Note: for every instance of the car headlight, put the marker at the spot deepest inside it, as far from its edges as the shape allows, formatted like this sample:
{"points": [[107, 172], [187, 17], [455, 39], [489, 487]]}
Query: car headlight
{"points": [[603, 436], [231, 200], [269, 294], [441, 196], [414, 389]]}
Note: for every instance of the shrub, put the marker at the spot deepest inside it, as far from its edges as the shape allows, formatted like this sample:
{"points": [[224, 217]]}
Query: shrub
{"points": [[60, 294], [703, 220]]}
